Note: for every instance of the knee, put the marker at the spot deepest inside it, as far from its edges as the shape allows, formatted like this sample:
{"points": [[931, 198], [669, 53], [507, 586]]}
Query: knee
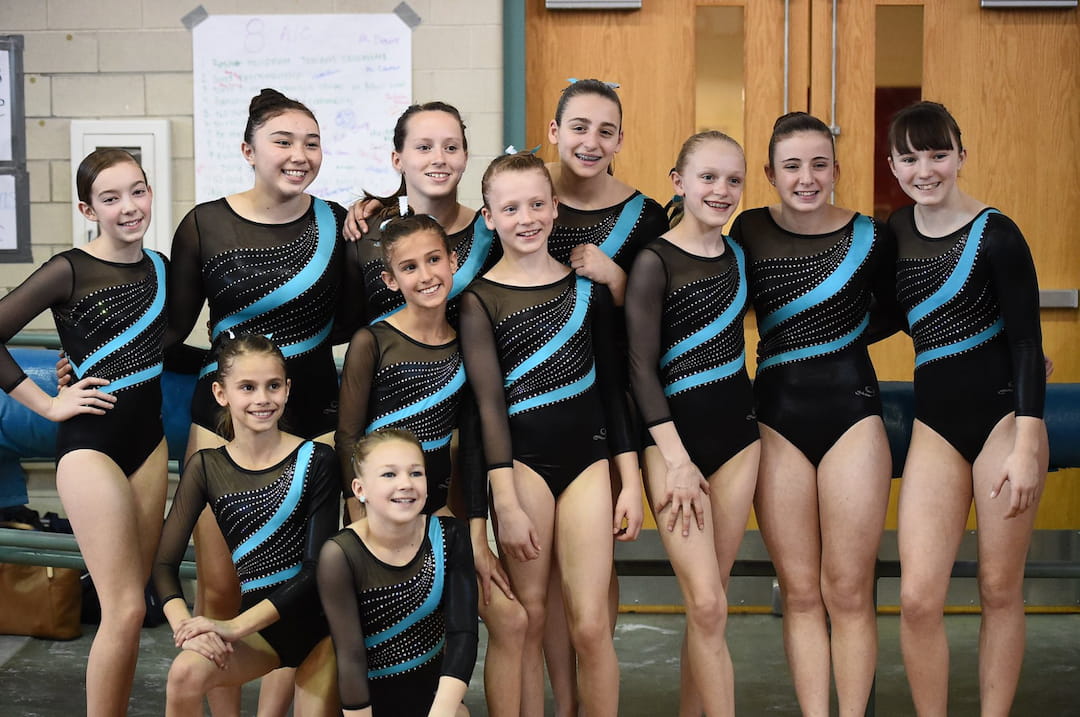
{"points": [[847, 593], [124, 612], [921, 603], [1001, 591], [707, 611], [506, 620], [187, 675], [588, 631], [801, 596]]}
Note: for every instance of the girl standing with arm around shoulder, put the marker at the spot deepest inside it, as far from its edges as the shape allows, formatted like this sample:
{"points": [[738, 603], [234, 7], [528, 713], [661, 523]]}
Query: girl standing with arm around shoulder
{"points": [[399, 591], [967, 282], [111, 469], [685, 302], [274, 497], [534, 337], [823, 483]]}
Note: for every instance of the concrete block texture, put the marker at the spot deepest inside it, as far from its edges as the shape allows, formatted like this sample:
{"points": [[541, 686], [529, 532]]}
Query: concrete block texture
{"points": [[466, 12], [50, 223], [99, 15], [38, 172], [51, 52], [283, 7], [99, 96], [48, 138], [145, 51], [169, 93], [37, 92], [60, 171], [16, 15], [181, 130], [168, 13]]}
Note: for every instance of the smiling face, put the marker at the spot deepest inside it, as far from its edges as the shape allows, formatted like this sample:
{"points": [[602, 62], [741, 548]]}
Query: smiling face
{"points": [[286, 154], [421, 268], [928, 176], [711, 182], [804, 170], [432, 158], [253, 388], [391, 481], [589, 134], [120, 202], [520, 207]]}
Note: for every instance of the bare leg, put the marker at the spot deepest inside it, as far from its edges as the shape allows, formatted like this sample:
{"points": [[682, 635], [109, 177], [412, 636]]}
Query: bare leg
{"points": [[559, 654], [529, 580], [316, 683], [853, 495], [192, 676], [1003, 546], [506, 622], [786, 504], [934, 499], [276, 692], [585, 548], [108, 513]]}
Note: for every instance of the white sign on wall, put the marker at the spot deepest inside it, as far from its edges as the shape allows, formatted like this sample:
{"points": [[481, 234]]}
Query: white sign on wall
{"points": [[353, 71]]}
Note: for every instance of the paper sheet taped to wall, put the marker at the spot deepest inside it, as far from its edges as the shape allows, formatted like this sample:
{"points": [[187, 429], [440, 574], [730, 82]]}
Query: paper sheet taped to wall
{"points": [[353, 71]]}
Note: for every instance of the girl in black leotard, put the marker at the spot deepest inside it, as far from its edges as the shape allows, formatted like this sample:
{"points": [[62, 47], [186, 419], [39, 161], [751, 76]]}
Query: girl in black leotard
{"points": [[275, 498], [823, 483], [268, 260], [685, 302], [399, 591], [967, 283], [552, 405], [108, 300]]}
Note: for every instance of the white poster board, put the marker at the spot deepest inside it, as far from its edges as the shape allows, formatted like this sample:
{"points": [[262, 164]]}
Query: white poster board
{"points": [[353, 71], [6, 117], [9, 224]]}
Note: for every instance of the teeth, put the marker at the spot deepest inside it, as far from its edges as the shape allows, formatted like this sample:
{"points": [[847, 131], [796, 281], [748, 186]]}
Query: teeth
{"points": [[294, 172], [438, 175], [924, 187], [806, 193], [529, 234], [588, 157], [717, 205]]}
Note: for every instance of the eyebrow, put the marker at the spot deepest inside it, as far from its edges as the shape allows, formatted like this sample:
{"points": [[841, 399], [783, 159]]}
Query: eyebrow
{"points": [[585, 120], [285, 133]]}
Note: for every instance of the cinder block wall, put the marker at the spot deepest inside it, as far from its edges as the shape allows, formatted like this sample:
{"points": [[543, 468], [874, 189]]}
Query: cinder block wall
{"points": [[125, 59]]}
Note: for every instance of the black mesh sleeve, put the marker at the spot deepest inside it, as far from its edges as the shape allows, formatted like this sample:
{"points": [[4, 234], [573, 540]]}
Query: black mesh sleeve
{"points": [[51, 285], [1016, 285], [337, 590], [485, 376], [186, 297], [644, 309], [188, 503], [356, 376], [472, 467], [611, 375], [322, 521], [349, 315], [886, 316], [459, 603]]}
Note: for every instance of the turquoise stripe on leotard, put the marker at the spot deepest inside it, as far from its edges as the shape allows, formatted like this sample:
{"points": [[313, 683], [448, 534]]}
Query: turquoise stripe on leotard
{"points": [[954, 348], [560, 394], [300, 282], [287, 507], [817, 350], [157, 305], [452, 387], [581, 307], [862, 241], [722, 371], [409, 664], [957, 277], [722, 321], [481, 247], [278, 577], [434, 597], [623, 226]]}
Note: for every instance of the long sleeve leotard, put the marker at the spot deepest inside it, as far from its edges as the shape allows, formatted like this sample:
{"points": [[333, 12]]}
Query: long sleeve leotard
{"points": [[972, 303], [391, 380], [111, 321], [275, 521], [684, 316], [398, 628], [541, 364], [812, 297], [279, 280]]}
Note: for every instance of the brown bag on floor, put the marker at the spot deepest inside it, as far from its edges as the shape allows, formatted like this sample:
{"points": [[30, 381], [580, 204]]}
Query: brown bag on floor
{"points": [[40, 601]]}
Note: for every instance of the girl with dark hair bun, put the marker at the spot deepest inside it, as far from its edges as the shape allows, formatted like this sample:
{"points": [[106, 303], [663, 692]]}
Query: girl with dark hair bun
{"points": [[966, 280], [269, 260], [430, 152], [111, 455], [823, 483], [274, 496]]}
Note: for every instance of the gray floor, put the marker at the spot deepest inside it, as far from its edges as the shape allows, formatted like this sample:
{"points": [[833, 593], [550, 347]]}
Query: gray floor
{"points": [[44, 679]]}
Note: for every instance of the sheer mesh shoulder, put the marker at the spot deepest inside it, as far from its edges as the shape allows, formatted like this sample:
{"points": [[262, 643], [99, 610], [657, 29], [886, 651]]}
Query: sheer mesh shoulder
{"points": [[50, 285], [485, 376], [188, 502]]}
